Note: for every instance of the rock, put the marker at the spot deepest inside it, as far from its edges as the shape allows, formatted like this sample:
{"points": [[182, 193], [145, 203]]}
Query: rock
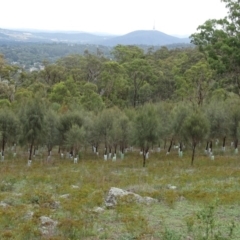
{"points": [[48, 226], [147, 200], [65, 196], [169, 186], [98, 210], [55, 205], [29, 215], [116, 193], [3, 204], [75, 186]]}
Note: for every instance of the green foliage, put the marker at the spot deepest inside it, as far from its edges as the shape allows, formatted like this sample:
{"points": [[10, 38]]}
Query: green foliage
{"points": [[171, 235], [196, 127], [32, 122], [9, 128], [75, 138], [60, 93], [219, 41], [205, 226], [145, 125]]}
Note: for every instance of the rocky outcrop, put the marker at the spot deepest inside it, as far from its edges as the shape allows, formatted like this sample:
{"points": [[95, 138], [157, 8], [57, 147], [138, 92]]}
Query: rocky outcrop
{"points": [[48, 226], [115, 194]]}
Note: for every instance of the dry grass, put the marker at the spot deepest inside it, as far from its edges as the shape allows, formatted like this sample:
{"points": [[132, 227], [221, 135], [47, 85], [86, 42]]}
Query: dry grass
{"points": [[39, 191]]}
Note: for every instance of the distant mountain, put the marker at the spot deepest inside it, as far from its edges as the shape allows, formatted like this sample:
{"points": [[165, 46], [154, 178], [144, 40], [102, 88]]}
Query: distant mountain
{"points": [[35, 36], [145, 37], [141, 37]]}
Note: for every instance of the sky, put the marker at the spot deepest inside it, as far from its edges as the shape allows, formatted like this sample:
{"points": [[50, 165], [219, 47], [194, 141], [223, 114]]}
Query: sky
{"points": [[173, 17]]}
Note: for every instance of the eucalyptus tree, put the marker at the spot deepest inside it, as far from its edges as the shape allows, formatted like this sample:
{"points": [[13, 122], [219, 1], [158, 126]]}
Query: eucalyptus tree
{"points": [[66, 122], [125, 127], [9, 128], [139, 72], [7, 71], [92, 130], [179, 114], [66, 92], [165, 131], [120, 132], [52, 73], [218, 115], [113, 85], [123, 54], [51, 136], [104, 126], [195, 128], [219, 40], [7, 91], [74, 139], [91, 65], [234, 115], [32, 124], [145, 129], [196, 83], [90, 99]]}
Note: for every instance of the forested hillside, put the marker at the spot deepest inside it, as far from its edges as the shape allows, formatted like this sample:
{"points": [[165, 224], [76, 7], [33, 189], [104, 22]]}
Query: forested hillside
{"points": [[183, 96]]}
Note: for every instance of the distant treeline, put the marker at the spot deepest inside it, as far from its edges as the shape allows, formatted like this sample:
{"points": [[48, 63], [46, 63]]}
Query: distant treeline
{"points": [[26, 54]]}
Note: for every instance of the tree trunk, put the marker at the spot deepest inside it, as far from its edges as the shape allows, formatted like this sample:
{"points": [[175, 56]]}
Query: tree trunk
{"points": [[210, 146], [236, 144], [207, 146], [105, 149], [180, 147], [193, 152], [3, 146], [145, 151], [30, 152], [170, 146], [224, 142], [144, 158]]}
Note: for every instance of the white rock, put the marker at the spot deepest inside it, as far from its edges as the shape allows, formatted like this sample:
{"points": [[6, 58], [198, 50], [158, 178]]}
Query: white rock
{"points": [[48, 226], [75, 186], [169, 186], [65, 196], [3, 204], [116, 193], [98, 210], [29, 215]]}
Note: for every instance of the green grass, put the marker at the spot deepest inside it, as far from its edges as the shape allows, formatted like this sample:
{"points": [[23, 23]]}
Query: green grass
{"points": [[178, 214]]}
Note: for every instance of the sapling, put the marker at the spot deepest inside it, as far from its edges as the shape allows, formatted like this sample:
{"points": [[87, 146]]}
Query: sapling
{"points": [[195, 128], [145, 126], [32, 120]]}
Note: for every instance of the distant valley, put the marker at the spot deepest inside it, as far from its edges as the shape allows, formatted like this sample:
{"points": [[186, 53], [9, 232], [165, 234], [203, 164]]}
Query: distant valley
{"points": [[141, 37]]}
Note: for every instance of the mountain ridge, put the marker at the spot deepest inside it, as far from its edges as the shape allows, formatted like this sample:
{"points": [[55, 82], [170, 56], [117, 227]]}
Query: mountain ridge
{"points": [[138, 37]]}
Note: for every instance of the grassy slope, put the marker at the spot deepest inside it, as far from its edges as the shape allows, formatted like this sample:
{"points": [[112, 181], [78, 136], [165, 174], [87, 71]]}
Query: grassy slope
{"points": [[36, 189]]}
